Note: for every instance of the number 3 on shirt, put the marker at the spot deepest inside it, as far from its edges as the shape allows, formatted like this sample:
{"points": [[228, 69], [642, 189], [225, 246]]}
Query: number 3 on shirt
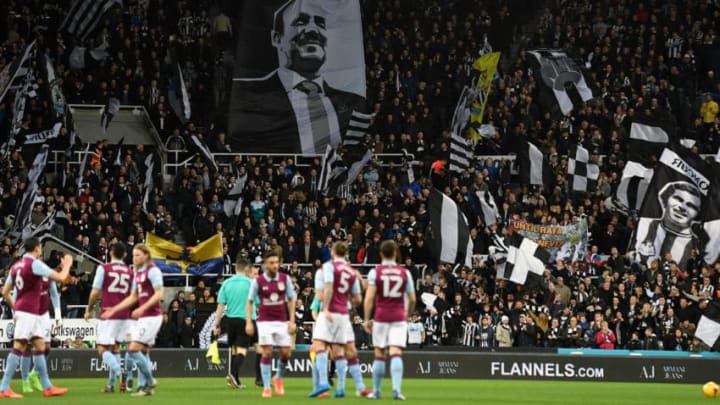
{"points": [[391, 285]]}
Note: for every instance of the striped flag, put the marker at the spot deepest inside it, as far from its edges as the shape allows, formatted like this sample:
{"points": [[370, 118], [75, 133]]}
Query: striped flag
{"points": [[149, 183], [112, 106], [81, 171], [533, 167], [526, 261], [708, 328], [357, 128], [333, 173], [233, 201], [27, 203], [582, 173], [488, 206], [11, 71], [202, 149], [85, 15], [460, 153], [118, 157], [633, 186], [178, 97], [449, 236]]}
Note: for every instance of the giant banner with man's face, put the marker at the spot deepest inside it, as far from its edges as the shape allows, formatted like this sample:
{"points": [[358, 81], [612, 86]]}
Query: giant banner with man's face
{"points": [[299, 74]]}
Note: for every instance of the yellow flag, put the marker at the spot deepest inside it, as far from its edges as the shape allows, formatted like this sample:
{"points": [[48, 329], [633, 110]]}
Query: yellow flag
{"points": [[213, 352], [486, 65]]}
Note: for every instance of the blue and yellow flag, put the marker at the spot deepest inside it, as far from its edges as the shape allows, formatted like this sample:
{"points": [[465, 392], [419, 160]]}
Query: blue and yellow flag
{"points": [[168, 256], [207, 257], [486, 65]]}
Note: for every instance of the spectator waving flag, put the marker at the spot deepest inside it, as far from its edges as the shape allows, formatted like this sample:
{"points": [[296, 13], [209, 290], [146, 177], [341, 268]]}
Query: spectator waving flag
{"points": [[449, 236], [11, 71], [460, 153], [560, 78], [526, 261], [533, 166], [233, 201], [112, 106], [149, 183], [202, 149], [488, 206], [85, 15], [582, 173], [118, 154], [333, 173], [27, 202], [648, 138], [207, 257], [708, 328]]}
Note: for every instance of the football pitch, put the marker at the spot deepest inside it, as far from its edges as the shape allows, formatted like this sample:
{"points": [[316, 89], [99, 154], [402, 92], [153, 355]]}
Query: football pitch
{"points": [[172, 391]]}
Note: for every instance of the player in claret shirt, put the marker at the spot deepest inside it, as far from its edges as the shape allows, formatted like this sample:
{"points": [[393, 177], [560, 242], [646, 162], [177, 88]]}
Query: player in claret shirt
{"points": [[29, 275], [389, 286], [146, 291], [112, 285], [275, 320]]}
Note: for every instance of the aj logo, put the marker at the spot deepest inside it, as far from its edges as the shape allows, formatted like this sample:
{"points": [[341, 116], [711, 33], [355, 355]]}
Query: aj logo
{"points": [[423, 367], [648, 373]]}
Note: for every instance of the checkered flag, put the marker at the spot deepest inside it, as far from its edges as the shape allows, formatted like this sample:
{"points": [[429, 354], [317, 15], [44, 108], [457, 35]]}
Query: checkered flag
{"points": [[582, 174]]}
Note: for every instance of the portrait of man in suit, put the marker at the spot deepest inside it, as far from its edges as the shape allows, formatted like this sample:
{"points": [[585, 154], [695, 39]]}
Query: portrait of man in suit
{"points": [[680, 202], [293, 109]]}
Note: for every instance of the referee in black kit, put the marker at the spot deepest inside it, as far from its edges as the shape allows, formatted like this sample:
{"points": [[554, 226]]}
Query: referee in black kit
{"points": [[232, 301]]}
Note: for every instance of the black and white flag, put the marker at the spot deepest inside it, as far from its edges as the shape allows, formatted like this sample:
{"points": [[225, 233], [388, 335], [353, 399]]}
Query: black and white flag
{"points": [[633, 186], [582, 172], [488, 206], [562, 77], [44, 135], [81, 170], [202, 149], [57, 98], [357, 128], [85, 15], [118, 153], [711, 216], [526, 261], [178, 97], [112, 106], [449, 236], [333, 173], [460, 153], [13, 70], [149, 183], [27, 203], [672, 208], [708, 328], [233, 201], [648, 138], [533, 167]]}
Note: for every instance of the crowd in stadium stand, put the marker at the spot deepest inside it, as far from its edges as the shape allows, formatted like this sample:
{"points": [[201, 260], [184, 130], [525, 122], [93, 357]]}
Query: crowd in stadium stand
{"points": [[639, 59]]}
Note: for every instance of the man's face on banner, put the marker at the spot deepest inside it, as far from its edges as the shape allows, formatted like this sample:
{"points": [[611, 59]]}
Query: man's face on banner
{"points": [[301, 44], [682, 208]]}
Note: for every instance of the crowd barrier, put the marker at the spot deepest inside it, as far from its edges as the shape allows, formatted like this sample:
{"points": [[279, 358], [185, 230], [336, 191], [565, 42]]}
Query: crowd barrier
{"points": [[69, 363]]}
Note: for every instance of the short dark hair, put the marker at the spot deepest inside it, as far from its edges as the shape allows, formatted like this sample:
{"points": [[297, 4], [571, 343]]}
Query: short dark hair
{"points": [[678, 186], [31, 244], [242, 265], [270, 254], [118, 250], [388, 250]]}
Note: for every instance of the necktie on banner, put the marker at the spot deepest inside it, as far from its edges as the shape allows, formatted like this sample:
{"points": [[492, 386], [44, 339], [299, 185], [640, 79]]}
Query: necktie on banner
{"points": [[318, 115]]}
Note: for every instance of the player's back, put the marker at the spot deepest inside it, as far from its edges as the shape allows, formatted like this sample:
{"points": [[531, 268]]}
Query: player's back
{"points": [[144, 283], [391, 283], [344, 278], [117, 281], [28, 287]]}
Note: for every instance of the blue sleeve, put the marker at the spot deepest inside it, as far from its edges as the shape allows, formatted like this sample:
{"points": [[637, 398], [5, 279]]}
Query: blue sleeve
{"points": [[99, 278], [371, 277], [356, 287], [410, 289], [253, 294], [9, 279], [328, 274], [54, 297], [133, 285], [290, 291], [155, 277], [41, 269]]}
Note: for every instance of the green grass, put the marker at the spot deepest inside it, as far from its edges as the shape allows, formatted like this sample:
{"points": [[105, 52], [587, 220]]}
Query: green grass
{"points": [[191, 391]]}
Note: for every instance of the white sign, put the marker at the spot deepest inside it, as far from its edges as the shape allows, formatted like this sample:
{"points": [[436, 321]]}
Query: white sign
{"points": [[68, 329]]}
